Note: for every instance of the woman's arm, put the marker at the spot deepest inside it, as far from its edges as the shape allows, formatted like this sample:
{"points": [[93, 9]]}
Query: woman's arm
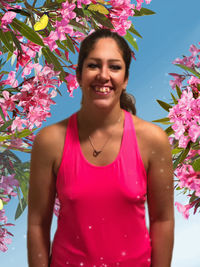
{"points": [[41, 198], [160, 198]]}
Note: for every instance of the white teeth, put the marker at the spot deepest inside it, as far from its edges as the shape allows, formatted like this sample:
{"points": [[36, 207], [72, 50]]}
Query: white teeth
{"points": [[102, 89]]}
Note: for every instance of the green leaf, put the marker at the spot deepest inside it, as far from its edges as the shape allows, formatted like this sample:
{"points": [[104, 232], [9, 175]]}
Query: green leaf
{"points": [[164, 105], [24, 189], [78, 26], [69, 44], [169, 131], [188, 69], [162, 120], [51, 58], [131, 40], [2, 115], [4, 138], [196, 165], [176, 150], [27, 32], [178, 90], [133, 30], [6, 38], [193, 197], [181, 157], [22, 12], [20, 208], [102, 19], [143, 12], [23, 133], [16, 42], [174, 99], [6, 125]]}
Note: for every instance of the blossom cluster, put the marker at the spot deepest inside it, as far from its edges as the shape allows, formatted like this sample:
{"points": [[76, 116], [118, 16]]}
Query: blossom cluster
{"points": [[185, 119], [33, 100], [7, 189]]}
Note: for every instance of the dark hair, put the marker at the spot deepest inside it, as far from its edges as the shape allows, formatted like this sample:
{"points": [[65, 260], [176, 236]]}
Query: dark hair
{"points": [[127, 101]]}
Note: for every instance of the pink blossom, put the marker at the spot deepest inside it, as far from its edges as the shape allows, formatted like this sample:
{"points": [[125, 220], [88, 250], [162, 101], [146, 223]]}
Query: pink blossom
{"points": [[11, 80], [7, 19], [27, 69], [3, 218], [57, 207], [194, 50], [178, 80], [185, 118], [18, 124], [8, 102], [8, 183], [62, 28], [4, 240], [67, 11], [85, 2], [188, 178], [72, 83], [187, 61], [22, 60], [184, 209], [50, 40], [139, 3]]}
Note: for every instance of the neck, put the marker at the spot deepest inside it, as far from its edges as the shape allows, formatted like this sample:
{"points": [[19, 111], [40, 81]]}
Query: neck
{"points": [[99, 119]]}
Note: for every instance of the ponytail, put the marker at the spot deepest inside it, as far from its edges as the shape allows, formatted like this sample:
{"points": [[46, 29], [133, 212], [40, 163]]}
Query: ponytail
{"points": [[127, 102]]}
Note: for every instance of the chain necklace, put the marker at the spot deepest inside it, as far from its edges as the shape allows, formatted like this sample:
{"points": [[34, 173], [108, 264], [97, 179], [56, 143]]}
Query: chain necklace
{"points": [[97, 152]]}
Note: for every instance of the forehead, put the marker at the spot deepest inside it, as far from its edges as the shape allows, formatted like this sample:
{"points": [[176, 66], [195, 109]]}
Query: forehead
{"points": [[106, 48]]}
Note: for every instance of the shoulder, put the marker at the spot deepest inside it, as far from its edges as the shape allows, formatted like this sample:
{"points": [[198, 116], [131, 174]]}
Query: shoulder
{"points": [[50, 140], [151, 133], [152, 139]]}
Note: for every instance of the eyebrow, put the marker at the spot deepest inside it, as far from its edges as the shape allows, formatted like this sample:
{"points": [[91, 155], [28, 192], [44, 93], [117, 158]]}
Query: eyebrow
{"points": [[110, 60]]}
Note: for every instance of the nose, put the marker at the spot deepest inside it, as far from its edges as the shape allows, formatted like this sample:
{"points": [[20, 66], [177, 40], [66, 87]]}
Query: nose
{"points": [[103, 74]]}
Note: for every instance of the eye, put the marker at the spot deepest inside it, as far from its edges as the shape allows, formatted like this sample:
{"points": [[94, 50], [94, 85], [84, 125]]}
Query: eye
{"points": [[92, 65], [115, 67]]}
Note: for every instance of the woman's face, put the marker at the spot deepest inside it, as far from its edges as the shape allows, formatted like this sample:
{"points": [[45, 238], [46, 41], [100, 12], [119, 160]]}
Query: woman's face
{"points": [[103, 75]]}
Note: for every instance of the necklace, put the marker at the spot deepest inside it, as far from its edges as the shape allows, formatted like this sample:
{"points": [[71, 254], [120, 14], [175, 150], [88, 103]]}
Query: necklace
{"points": [[97, 152]]}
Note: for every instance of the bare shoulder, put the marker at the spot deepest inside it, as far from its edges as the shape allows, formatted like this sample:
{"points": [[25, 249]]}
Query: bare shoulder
{"points": [[152, 134], [50, 135], [49, 142], [152, 140]]}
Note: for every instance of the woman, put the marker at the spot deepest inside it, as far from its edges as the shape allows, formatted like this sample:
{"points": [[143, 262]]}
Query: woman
{"points": [[102, 162]]}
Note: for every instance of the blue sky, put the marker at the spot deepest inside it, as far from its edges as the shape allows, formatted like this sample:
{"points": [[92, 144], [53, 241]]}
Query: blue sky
{"points": [[166, 36]]}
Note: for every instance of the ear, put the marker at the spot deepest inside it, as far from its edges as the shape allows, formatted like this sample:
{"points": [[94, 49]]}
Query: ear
{"points": [[78, 76], [125, 83]]}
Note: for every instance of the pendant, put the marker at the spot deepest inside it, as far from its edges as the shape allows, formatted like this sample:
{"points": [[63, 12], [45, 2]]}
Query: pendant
{"points": [[96, 153]]}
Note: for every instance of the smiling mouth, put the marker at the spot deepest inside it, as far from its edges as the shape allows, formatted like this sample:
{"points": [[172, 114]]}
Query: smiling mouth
{"points": [[102, 89]]}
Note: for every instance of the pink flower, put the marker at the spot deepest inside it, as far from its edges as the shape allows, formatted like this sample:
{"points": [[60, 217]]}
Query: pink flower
{"points": [[18, 124], [57, 207], [85, 2], [11, 80], [72, 83], [62, 28], [8, 183], [184, 209], [194, 50], [51, 40], [7, 19], [178, 80], [67, 11], [8, 102]]}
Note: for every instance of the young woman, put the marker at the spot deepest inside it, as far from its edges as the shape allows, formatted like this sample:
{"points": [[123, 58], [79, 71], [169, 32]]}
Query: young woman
{"points": [[103, 163]]}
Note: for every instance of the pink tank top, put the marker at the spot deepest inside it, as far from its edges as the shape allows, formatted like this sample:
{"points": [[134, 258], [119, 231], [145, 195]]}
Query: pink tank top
{"points": [[102, 215]]}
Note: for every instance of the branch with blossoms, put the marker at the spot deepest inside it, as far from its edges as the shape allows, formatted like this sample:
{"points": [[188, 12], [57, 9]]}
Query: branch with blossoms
{"points": [[36, 45], [184, 129]]}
